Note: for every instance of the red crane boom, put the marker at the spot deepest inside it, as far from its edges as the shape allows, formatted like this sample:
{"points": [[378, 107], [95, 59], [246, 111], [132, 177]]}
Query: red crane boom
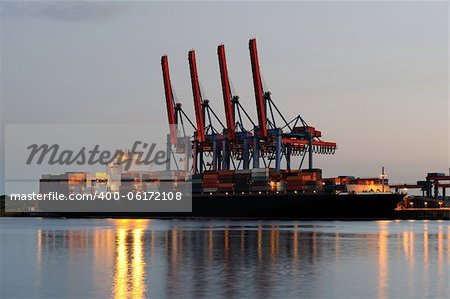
{"points": [[226, 91], [169, 99], [259, 95], [197, 97]]}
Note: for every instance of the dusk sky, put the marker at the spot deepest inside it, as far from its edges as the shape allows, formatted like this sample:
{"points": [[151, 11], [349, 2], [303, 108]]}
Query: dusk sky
{"points": [[372, 76]]}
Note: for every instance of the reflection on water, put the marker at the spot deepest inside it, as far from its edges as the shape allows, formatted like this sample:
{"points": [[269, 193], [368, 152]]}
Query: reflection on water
{"points": [[143, 258], [121, 265], [129, 273], [383, 271]]}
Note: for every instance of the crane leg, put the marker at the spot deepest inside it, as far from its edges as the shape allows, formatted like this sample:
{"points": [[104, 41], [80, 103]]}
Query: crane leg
{"points": [[256, 149], [187, 152], [278, 151], [226, 155], [310, 152], [245, 155], [168, 152], [215, 150]]}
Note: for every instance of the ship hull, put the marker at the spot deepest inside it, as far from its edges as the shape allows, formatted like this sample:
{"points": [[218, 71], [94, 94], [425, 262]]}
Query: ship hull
{"points": [[276, 206]]}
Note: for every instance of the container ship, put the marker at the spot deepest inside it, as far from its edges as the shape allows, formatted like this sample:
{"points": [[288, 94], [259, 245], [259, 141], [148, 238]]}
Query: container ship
{"points": [[245, 168], [266, 193], [262, 193]]}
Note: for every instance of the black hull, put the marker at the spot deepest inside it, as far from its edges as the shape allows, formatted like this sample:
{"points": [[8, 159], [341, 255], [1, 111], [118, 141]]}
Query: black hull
{"points": [[275, 206]]}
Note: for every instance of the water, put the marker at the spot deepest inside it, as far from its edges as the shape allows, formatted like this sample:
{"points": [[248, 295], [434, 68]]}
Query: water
{"points": [[81, 258]]}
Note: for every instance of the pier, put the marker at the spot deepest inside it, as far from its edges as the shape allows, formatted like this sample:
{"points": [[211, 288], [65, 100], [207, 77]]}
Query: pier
{"points": [[424, 213]]}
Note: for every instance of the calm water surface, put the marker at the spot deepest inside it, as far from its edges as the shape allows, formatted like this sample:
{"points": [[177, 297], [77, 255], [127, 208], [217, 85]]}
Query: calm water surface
{"points": [[63, 258]]}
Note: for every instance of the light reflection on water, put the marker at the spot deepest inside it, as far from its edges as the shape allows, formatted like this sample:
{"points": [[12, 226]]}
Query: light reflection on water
{"points": [[187, 259], [129, 262], [383, 272]]}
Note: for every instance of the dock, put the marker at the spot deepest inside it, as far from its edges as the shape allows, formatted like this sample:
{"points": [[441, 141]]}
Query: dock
{"points": [[424, 213]]}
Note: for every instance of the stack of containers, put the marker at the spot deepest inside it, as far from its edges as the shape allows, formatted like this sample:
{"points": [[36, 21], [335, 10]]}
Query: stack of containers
{"points": [[295, 182], [150, 182], [372, 181], [261, 178], [313, 179], [73, 181], [127, 182], [180, 182], [242, 180], [173, 175], [329, 185], [168, 180], [311, 185], [281, 186], [340, 183], [226, 181], [304, 180], [311, 174], [152, 186], [210, 182], [353, 181], [344, 180]]}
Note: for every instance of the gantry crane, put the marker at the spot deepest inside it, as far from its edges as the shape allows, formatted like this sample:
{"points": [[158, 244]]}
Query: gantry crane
{"points": [[238, 139], [273, 141], [207, 139], [236, 146], [176, 116]]}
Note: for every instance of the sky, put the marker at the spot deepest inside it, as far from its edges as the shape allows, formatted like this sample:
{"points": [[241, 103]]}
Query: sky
{"points": [[372, 76]]}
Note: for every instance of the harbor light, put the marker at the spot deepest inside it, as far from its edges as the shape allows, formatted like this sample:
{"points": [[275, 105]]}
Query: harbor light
{"points": [[273, 185]]}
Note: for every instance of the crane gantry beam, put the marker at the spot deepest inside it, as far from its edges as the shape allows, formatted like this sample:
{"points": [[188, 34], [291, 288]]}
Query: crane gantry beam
{"points": [[169, 99], [226, 91], [259, 93], [197, 97], [272, 138]]}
